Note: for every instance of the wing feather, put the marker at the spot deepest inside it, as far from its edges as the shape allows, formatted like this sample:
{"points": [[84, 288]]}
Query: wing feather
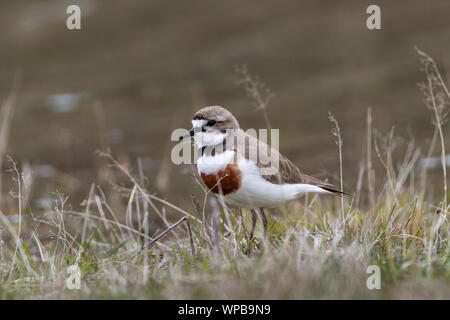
{"points": [[288, 172]]}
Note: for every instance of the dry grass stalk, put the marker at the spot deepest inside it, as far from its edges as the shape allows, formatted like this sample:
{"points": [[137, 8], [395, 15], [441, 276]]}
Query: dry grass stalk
{"points": [[369, 168], [437, 98], [336, 131], [256, 90], [5, 119]]}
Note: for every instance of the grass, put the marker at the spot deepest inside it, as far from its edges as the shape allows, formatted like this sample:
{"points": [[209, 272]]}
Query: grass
{"points": [[132, 244]]}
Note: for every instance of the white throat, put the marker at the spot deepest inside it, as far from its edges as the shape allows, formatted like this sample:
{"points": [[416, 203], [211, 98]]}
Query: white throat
{"points": [[210, 138]]}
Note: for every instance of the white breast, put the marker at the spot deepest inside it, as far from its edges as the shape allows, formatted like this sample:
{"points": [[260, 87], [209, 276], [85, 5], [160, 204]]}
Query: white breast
{"points": [[213, 164]]}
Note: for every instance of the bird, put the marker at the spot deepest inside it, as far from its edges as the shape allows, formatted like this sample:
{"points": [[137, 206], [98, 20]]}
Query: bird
{"points": [[229, 169]]}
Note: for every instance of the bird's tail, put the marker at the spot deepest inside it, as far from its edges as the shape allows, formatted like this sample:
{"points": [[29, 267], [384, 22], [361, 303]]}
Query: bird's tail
{"points": [[335, 191]]}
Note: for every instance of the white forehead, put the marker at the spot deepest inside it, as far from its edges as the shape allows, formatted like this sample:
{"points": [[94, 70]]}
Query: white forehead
{"points": [[198, 123]]}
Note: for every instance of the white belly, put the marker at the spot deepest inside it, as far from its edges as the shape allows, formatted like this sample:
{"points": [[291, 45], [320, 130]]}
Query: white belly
{"points": [[256, 192]]}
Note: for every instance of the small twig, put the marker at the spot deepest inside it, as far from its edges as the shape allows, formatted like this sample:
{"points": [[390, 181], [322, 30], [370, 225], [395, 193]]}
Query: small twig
{"points": [[191, 238], [162, 234]]}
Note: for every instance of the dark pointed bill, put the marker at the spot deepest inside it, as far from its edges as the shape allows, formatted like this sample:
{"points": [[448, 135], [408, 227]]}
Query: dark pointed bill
{"points": [[188, 133]]}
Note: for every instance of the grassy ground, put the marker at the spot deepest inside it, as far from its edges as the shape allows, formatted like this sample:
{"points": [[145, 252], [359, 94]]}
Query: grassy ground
{"points": [[310, 252], [316, 248]]}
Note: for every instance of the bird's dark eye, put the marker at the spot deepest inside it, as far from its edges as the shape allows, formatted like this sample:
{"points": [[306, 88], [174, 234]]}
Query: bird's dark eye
{"points": [[211, 123]]}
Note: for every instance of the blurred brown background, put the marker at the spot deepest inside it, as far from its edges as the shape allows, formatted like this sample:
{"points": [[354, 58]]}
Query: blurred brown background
{"points": [[139, 69]]}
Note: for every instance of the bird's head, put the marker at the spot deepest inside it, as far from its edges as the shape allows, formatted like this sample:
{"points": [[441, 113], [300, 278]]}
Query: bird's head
{"points": [[210, 126]]}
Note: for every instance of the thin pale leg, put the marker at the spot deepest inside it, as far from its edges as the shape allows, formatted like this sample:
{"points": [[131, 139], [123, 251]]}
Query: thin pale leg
{"points": [[264, 220], [254, 218]]}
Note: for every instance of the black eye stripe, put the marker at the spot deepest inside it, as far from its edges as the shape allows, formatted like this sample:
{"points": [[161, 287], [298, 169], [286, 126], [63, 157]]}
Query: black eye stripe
{"points": [[210, 123]]}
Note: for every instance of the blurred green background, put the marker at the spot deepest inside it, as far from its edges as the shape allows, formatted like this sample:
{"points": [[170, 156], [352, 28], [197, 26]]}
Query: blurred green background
{"points": [[139, 69]]}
